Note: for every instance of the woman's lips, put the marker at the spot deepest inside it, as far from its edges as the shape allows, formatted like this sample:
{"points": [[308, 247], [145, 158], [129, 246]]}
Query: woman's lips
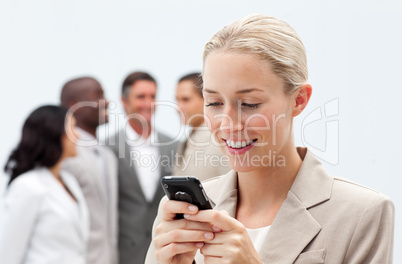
{"points": [[239, 146]]}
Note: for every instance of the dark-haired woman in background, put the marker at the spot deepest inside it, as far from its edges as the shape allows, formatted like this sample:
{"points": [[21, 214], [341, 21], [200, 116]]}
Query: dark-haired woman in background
{"points": [[44, 215]]}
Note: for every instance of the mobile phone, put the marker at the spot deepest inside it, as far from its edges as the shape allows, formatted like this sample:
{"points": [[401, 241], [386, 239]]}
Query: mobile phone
{"points": [[186, 188]]}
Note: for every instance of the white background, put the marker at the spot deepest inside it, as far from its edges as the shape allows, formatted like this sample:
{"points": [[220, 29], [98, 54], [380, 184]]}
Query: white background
{"points": [[354, 55]]}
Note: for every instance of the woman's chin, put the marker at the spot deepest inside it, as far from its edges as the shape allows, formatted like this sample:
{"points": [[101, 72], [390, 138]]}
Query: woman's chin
{"points": [[241, 167]]}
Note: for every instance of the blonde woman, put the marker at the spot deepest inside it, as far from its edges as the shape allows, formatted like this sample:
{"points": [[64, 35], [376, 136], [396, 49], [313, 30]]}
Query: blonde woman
{"points": [[278, 204]]}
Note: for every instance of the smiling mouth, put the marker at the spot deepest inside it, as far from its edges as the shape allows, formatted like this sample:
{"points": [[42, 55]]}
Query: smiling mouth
{"points": [[239, 144]]}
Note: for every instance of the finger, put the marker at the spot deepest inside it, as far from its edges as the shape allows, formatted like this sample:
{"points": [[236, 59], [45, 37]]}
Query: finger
{"points": [[212, 260], [166, 253], [219, 219], [228, 237], [167, 226], [182, 236], [170, 208], [213, 250], [233, 247], [225, 212], [222, 252]]}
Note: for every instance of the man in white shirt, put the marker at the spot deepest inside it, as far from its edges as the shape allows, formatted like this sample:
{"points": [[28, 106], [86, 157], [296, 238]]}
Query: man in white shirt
{"points": [[144, 156], [94, 167]]}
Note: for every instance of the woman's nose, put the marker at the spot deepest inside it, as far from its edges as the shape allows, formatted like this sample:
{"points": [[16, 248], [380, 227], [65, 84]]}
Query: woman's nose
{"points": [[231, 120]]}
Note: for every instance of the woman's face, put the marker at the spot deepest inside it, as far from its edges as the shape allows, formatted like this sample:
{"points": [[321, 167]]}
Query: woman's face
{"points": [[68, 142], [247, 110]]}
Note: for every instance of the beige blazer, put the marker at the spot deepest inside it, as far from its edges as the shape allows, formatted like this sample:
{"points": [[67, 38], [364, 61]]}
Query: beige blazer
{"points": [[101, 196], [323, 220], [199, 157]]}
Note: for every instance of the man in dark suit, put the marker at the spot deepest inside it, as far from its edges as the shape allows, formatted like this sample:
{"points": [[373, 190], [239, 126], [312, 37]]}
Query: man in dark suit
{"points": [[144, 156]]}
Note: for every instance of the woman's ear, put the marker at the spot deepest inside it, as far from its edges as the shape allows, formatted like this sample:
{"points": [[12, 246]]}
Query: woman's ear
{"points": [[301, 98]]}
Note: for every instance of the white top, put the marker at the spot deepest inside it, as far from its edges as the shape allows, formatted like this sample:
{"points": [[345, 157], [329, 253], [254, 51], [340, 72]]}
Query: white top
{"points": [[145, 158], [258, 236], [40, 223]]}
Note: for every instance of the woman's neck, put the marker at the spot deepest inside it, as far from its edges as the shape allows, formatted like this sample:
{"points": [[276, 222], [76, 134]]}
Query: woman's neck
{"points": [[262, 191], [55, 170]]}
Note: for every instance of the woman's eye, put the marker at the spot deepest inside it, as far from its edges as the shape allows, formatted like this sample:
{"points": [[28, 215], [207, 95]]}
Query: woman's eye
{"points": [[213, 104], [251, 106]]}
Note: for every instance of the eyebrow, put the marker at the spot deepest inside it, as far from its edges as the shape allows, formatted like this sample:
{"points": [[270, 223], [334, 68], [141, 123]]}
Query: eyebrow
{"points": [[209, 91], [249, 90], [238, 92]]}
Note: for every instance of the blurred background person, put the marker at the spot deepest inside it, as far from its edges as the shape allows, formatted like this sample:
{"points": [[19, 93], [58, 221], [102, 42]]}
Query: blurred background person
{"points": [[94, 167], [198, 155], [44, 216], [144, 156]]}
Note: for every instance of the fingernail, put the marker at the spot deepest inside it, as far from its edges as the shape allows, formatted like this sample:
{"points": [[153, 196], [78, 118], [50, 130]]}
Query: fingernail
{"points": [[208, 235], [216, 229], [186, 215], [199, 244], [192, 208]]}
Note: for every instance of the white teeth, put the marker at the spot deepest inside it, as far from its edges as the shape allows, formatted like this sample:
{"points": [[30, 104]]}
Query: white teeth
{"points": [[238, 144]]}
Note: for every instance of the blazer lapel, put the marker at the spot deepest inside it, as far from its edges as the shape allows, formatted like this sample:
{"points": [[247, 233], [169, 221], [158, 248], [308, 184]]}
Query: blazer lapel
{"points": [[66, 204], [111, 169], [89, 157], [83, 217], [165, 169], [225, 198], [294, 227], [180, 152]]}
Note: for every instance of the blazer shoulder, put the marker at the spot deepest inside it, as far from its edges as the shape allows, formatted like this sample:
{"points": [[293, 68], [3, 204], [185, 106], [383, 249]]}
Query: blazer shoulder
{"points": [[28, 184], [358, 195], [109, 154], [360, 189], [167, 142], [211, 183], [218, 187], [112, 142], [78, 160]]}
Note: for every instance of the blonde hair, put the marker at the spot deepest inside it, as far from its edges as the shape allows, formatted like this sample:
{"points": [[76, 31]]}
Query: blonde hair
{"points": [[271, 40]]}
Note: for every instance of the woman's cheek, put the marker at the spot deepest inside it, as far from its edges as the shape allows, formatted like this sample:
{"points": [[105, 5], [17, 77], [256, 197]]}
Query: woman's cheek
{"points": [[257, 122], [210, 121]]}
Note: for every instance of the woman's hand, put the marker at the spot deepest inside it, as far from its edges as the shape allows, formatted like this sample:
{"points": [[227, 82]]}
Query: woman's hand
{"points": [[231, 243], [177, 241]]}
